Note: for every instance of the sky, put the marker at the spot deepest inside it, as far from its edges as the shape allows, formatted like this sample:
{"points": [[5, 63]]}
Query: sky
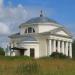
{"points": [[15, 12]]}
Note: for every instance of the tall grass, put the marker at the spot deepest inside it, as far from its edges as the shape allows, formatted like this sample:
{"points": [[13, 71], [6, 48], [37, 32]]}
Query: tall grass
{"points": [[28, 69], [28, 66]]}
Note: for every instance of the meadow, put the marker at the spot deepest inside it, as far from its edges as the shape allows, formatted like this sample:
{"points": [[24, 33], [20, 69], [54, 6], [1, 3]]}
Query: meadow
{"points": [[43, 66]]}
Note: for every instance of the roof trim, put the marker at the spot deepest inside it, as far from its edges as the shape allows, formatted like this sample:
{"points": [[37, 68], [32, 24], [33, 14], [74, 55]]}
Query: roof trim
{"points": [[52, 32]]}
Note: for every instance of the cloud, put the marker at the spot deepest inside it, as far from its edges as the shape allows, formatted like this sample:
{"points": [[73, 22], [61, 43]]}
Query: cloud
{"points": [[1, 2], [13, 16], [13, 13], [10, 18], [4, 29]]}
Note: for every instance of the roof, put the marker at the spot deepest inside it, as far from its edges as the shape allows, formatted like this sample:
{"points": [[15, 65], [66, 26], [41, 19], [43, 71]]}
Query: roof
{"points": [[29, 38], [24, 38], [19, 48], [53, 32], [16, 35], [43, 20], [40, 19]]}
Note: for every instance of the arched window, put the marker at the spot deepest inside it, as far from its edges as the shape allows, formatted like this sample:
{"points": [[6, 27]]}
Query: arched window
{"points": [[30, 30]]}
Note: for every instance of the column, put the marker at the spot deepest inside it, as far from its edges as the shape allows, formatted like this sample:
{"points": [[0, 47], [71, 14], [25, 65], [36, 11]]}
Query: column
{"points": [[50, 47], [10, 46], [13, 53], [70, 50], [66, 48], [58, 46], [54, 45], [62, 47]]}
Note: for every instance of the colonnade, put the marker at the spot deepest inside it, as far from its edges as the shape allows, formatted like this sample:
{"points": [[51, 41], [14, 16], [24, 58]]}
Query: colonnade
{"points": [[60, 46]]}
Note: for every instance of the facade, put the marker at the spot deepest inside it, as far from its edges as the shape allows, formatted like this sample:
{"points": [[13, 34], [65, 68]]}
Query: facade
{"points": [[39, 37]]}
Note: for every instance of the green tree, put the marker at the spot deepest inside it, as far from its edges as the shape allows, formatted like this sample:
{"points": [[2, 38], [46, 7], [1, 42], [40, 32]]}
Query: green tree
{"points": [[2, 52], [73, 49]]}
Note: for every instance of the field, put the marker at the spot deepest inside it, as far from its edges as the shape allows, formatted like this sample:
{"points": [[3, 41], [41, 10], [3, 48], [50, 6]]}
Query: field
{"points": [[42, 66]]}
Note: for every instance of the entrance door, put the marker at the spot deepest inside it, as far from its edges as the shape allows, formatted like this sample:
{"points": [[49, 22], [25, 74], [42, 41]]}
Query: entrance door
{"points": [[32, 52], [22, 52]]}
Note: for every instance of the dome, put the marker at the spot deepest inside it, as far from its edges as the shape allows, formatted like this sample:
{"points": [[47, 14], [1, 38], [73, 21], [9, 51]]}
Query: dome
{"points": [[40, 19]]}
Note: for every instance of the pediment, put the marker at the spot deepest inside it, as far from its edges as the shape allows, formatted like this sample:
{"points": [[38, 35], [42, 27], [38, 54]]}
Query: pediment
{"points": [[61, 31]]}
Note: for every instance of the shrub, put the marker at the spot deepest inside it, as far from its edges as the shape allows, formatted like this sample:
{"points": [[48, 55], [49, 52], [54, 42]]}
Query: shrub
{"points": [[58, 55], [2, 51], [73, 49]]}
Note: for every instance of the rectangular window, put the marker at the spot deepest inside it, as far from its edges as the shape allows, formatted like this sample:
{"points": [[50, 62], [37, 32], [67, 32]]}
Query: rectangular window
{"points": [[29, 30], [32, 52]]}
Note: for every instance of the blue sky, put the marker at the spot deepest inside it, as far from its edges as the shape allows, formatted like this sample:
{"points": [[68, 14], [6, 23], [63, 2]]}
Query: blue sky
{"points": [[14, 12], [62, 11]]}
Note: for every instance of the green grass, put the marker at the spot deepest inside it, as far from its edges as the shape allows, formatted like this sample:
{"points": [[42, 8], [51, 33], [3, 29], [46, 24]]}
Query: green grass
{"points": [[43, 66]]}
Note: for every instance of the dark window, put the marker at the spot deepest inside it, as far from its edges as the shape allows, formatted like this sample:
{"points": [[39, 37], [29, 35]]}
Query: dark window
{"points": [[26, 31], [56, 43], [32, 52], [33, 30], [29, 30], [21, 52]]}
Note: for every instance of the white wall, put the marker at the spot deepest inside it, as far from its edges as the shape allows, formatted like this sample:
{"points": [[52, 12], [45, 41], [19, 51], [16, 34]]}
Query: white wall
{"points": [[17, 52], [43, 47], [28, 46], [22, 30], [7, 53], [44, 28], [13, 53], [39, 28]]}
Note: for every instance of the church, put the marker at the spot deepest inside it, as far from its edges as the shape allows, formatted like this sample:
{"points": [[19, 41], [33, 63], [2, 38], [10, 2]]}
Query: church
{"points": [[40, 37]]}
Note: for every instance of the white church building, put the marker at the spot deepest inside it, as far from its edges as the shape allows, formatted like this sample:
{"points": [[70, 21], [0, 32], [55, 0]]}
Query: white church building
{"points": [[40, 37]]}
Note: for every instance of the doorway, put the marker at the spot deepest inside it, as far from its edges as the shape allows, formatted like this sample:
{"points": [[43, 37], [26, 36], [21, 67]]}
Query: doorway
{"points": [[32, 52], [21, 52]]}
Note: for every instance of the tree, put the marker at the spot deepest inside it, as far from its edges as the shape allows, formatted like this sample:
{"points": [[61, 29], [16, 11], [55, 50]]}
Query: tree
{"points": [[73, 49], [2, 51]]}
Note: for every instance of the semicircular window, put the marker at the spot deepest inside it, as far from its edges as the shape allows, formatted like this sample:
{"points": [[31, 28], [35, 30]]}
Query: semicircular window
{"points": [[30, 30]]}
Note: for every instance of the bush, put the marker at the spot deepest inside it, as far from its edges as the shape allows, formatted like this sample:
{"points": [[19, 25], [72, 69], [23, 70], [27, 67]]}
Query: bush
{"points": [[2, 51], [73, 49], [58, 55]]}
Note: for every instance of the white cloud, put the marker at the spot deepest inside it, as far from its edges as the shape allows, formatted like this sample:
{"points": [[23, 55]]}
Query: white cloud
{"points": [[1, 2], [13, 16], [10, 18], [4, 29], [13, 13]]}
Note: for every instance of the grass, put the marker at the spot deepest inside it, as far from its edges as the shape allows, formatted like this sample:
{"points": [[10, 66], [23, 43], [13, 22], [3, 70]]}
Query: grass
{"points": [[43, 66]]}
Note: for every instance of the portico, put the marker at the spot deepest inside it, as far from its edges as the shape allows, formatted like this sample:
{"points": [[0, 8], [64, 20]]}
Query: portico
{"points": [[60, 46]]}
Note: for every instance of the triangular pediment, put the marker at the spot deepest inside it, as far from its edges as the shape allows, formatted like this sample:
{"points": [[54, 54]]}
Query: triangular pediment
{"points": [[61, 31]]}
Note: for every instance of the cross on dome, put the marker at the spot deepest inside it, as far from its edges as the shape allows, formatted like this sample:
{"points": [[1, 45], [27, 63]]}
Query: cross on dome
{"points": [[41, 13]]}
